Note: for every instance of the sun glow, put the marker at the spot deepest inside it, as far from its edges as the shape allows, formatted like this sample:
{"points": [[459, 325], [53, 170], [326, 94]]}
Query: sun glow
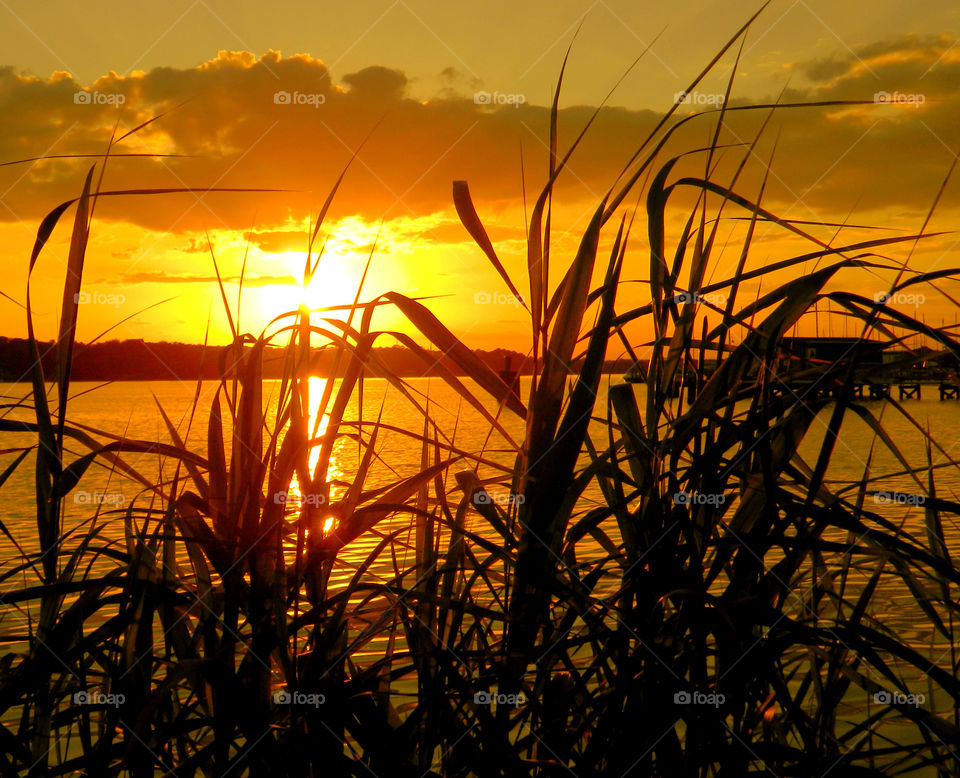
{"points": [[335, 283]]}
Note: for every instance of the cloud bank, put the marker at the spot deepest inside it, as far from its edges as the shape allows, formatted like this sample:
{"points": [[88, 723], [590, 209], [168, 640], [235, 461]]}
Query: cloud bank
{"points": [[285, 123]]}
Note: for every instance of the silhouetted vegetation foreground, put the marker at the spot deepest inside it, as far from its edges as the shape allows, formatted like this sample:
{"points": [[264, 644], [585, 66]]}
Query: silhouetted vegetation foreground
{"points": [[713, 614]]}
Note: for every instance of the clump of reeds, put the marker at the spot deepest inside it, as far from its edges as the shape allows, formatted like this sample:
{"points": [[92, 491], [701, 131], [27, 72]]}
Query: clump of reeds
{"points": [[731, 570]]}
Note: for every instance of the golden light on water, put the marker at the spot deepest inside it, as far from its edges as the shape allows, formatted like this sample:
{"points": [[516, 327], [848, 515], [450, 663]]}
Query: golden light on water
{"points": [[318, 424], [317, 428]]}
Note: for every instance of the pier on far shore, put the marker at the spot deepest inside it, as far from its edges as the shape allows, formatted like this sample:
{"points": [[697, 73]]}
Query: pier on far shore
{"points": [[815, 368]]}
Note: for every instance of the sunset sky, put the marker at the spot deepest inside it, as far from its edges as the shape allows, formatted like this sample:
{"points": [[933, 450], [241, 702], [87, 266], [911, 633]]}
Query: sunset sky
{"points": [[278, 96]]}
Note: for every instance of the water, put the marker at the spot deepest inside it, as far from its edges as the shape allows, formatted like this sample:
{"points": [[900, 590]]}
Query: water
{"points": [[131, 410]]}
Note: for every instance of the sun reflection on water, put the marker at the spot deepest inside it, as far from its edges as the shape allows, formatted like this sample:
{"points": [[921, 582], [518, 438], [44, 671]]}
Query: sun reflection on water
{"points": [[315, 507]]}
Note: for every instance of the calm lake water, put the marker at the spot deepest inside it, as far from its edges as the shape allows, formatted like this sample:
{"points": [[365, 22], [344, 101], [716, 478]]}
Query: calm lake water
{"points": [[131, 409]]}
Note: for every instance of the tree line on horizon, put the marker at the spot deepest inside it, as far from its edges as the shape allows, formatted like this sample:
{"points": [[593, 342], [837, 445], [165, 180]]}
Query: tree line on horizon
{"points": [[140, 360]]}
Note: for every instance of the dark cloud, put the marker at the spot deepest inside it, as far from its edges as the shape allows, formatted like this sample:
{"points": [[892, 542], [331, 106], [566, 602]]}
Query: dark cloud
{"points": [[376, 83], [824, 69], [453, 78], [284, 123]]}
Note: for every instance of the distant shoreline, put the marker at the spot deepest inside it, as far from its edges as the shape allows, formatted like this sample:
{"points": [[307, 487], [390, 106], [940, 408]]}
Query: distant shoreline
{"points": [[139, 360]]}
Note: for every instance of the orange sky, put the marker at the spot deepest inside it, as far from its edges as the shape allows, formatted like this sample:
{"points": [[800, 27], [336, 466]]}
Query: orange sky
{"points": [[243, 109]]}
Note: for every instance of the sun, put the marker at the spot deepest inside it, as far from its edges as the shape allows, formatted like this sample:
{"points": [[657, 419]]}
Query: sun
{"points": [[345, 252], [335, 283]]}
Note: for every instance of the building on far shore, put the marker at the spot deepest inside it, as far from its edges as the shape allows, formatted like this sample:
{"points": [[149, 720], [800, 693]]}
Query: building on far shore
{"points": [[802, 353]]}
